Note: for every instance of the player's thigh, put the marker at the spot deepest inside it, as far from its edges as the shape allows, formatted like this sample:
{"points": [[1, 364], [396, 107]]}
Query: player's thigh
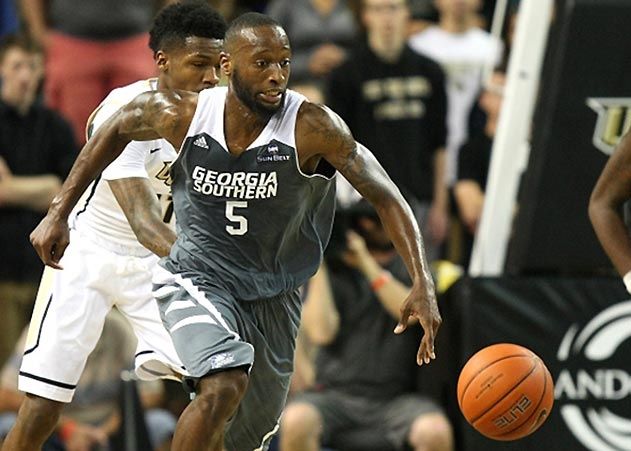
{"points": [[271, 326], [155, 354], [205, 325], [66, 323]]}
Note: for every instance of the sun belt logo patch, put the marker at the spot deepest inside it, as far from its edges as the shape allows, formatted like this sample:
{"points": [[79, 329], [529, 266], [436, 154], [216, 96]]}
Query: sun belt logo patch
{"points": [[271, 153], [614, 120]]}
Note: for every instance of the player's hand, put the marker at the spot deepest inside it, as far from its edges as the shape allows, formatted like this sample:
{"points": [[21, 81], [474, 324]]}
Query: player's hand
{"points": [[50, 239], [421, 304]]}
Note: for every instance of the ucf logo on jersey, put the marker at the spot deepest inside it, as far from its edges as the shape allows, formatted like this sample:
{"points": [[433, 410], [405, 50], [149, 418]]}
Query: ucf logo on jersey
{"points": [[614, 120]]}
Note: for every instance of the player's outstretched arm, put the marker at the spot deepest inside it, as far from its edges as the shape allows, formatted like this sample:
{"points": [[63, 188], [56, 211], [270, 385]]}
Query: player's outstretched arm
{"points": [[612, 189], [151, 115], [320, 133]]}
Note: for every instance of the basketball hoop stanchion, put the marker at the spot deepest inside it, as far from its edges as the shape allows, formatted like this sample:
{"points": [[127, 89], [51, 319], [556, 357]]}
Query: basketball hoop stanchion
{"points": [[510, 148], [132, 434]]}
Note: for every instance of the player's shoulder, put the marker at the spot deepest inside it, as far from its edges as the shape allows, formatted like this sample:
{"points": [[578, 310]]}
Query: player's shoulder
{"points": [[318, 125], [314, 116]]}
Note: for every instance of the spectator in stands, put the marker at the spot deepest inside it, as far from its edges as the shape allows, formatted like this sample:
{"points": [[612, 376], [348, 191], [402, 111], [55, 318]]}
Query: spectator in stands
{"points": [[394, 102], [91, 48], [320, 31], [463, 50], [365, 395], [93, 416], [229, 9], [473, 164], [37, 149]]}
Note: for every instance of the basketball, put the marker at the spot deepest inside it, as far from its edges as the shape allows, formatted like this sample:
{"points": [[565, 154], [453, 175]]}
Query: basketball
{"points": [[505, 391]]}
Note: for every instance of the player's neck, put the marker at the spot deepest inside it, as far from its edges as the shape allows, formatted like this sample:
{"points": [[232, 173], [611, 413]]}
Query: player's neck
{"points": [[242, 125]]}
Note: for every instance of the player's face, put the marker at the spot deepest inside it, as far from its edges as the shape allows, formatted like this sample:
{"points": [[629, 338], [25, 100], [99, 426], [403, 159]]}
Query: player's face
{"points": [[259, 68], [193, 66]]}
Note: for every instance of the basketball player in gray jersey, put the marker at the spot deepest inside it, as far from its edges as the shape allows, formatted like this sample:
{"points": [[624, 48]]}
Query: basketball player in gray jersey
{"points": [[253, 194]]}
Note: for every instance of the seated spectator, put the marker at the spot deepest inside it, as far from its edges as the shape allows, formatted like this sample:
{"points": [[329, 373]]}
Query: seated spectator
{"points": [[365, 395], [93, 416], [473, 164], [37, 150]]}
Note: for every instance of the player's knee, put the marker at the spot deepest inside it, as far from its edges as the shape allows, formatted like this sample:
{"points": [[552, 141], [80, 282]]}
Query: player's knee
{"points": [[431, 432], [220, 393], [36, 405], [300, 420]]}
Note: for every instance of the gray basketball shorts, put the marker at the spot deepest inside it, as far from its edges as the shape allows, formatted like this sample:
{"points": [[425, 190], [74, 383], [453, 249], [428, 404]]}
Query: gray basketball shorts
{"points": [[356, 422], [212, 331]]}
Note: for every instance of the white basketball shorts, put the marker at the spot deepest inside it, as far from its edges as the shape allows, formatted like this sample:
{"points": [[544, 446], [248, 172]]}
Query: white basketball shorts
{"points": [[69, 312]]}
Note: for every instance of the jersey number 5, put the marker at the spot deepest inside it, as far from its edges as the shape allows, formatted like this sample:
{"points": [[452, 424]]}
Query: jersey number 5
{"points": [[240, 226]]}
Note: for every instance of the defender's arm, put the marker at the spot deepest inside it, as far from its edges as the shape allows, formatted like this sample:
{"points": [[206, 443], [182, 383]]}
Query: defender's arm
{"points": [[142, 209], [151, 115]]}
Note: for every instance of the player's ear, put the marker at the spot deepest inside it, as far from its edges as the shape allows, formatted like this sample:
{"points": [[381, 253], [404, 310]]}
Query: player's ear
{"points": [[162, 61], [225, 61]]}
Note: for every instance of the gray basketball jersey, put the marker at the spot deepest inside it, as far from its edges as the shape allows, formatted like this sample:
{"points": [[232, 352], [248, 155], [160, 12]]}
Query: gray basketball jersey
{"points": [[254, 224]]}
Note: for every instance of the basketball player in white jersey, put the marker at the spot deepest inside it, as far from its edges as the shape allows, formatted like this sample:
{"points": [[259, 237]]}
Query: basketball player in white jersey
{"points": [[115, 248]]}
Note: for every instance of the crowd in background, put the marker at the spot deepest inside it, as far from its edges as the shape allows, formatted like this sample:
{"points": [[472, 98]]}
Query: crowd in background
{"points": [[408, 79]]}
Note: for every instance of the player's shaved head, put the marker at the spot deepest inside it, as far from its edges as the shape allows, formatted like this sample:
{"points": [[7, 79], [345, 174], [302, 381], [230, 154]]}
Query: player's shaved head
{"points": [[243, 28]]}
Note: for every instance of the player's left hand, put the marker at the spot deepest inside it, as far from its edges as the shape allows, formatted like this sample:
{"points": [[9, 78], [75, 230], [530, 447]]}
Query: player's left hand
{"points": [[50, 239], [421, 304]]}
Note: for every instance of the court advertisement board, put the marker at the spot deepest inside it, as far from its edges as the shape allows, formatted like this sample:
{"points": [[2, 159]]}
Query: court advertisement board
{"points": [[580, 327]]}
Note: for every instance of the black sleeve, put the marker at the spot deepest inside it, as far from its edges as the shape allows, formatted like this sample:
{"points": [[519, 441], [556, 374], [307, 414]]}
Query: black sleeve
{"points": [[341, 92], [471, 162], [64, 146], [437, 106]]}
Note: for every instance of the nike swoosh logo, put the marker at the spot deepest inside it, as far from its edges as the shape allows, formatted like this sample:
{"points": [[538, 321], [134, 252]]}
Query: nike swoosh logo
{"points": [[154, 150]]}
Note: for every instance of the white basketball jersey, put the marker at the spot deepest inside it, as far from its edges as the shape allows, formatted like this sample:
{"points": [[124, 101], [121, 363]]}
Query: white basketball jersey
{"points": [[462, 56], [97, 214]]}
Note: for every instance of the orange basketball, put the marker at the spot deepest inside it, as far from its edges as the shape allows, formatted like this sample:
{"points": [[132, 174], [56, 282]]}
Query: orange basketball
{"points": [[505, 391]]}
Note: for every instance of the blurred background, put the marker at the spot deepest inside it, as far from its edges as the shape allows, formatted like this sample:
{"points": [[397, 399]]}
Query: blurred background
{"points": [[494, 117]]}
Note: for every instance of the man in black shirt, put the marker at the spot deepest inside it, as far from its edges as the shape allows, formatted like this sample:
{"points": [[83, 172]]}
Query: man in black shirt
{"points": [[365, 395], [394, 102], [37, 149]]}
